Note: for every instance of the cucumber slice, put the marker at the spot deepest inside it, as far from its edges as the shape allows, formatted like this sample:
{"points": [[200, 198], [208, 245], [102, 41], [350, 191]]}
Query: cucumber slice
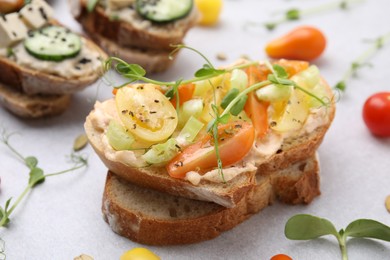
{"points": [[162, 11], [53, 43]]}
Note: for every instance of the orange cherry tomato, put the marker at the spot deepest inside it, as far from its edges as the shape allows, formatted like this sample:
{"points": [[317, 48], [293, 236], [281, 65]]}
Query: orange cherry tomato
{"points": [[201, 156], [303, 43], [257, 110], [9, 6], [281, 257], [185, 93]]}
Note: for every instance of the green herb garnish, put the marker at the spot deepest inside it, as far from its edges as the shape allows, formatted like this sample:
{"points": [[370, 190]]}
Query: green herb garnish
{"points": [[36, 176], [296, 13], [307, 227], [362, 61], [91, 4]]}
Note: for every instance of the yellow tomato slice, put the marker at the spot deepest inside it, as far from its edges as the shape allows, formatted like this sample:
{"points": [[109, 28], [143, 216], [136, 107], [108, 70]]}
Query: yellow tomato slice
{"points": [[146, 112]]}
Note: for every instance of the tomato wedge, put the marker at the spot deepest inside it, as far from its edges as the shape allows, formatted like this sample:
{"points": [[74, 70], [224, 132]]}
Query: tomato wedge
{"points": [[235, 141], [185, 93]]}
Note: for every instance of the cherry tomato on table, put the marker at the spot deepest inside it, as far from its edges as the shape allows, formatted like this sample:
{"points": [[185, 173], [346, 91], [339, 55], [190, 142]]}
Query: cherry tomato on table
{"points": [[281, 257], [209, 11], [302, 43], [9, 6], [376, 114]]}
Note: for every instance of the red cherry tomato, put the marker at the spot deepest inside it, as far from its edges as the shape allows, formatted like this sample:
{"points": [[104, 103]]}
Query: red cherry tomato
{"points": [[376, 114], [281, 257], [303, 43]]}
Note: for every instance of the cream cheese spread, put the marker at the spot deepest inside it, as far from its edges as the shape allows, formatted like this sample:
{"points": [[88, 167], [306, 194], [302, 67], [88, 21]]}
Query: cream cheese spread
{"points": [[87, 62]]}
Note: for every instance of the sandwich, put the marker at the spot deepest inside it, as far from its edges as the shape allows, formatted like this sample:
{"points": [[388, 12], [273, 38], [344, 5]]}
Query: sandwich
{"points": [[151, 217], [211, 138], [42, 62], [138, 31]]}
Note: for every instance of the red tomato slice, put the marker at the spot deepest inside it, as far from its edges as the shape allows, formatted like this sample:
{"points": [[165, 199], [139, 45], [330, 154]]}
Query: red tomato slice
{"points": [[235, 141], [185, 93]]}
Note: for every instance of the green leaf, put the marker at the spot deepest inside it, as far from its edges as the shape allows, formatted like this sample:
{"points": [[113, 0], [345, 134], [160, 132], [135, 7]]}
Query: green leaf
{"points": [[207, 70], [7, 204], [36, 176], [130, 70], [170, 93], [280, 71], [306, 227], [340, 86], [368, 228], [229, 97], [293, 14], [270, 26], [31, 162], [239, 106], [91, 5]]}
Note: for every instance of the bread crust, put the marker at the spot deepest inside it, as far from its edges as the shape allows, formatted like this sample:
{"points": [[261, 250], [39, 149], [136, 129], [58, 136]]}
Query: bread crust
{"points": [[155, 37], [32, 82], [35, 106], [141, 227]]}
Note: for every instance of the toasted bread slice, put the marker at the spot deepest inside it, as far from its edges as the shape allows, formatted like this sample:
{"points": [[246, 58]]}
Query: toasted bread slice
{"points": [[136, 32], [150, 217], [32, 81], [35, 106], [151, 60]]}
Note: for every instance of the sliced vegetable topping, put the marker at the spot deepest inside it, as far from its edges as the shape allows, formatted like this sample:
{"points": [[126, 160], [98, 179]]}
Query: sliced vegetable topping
{"points": [[53, 43], [119, 137], [162, 11], [201, 157], [146, 112]]}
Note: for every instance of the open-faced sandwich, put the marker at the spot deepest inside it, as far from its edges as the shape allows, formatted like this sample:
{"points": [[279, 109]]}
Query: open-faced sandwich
{"points": [[207, 138], [41, 62], [138, 31]]}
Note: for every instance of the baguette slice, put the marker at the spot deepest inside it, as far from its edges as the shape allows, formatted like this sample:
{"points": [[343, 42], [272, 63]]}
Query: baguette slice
{"points": [[35, 106], [32, 82], [139, 33], [227, 194], [151, 60], [150, 217]]}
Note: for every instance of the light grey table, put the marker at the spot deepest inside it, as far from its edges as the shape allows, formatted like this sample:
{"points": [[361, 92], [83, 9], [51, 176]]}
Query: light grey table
{"points": [[62, 219]]}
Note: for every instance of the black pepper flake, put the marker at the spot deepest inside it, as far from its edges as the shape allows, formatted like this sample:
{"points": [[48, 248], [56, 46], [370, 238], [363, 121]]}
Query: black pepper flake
{"points": [[238, 126], [140, 87], [14, 34], [77, 67], [273, 124], [279, 151], [131, 113], [124, 111], [179, 164], [134, 126], [4, 18], [43, 13], [71, 45], [171, 117], [63, 39], [30, 34], [84, 61], [152, 112], [156, 101], [30, 9]]}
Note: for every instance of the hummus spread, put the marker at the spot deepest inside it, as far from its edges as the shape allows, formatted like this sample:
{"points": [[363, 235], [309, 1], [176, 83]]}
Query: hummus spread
{"points": [[260, 152]]}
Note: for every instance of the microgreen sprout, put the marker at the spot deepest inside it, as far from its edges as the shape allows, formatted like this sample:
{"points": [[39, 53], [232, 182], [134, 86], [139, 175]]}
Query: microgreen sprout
{"points": [[307, 227], [362, 61], [36, 175], [297, 14]]}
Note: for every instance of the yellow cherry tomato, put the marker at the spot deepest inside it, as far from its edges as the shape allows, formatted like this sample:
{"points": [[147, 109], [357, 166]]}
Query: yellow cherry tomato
{"points": [[209, 11], [139, 253], [146, 112]]}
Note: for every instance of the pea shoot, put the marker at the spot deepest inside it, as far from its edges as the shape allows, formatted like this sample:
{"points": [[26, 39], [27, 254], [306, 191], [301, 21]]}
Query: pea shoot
{"points": [[294, 14], [362, 61], [307, 227], [36, 175]]}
